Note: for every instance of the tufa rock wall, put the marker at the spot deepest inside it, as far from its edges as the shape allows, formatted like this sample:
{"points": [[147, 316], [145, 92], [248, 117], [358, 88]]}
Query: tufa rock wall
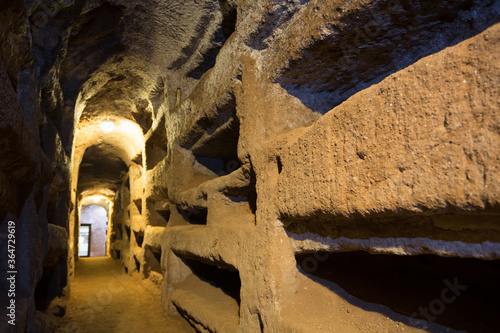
{"points": [[326, 135]]}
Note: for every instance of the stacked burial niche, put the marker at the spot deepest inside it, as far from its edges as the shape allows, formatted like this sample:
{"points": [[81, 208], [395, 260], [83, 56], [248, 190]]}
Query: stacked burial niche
{"points": [[302, 166], [344, 177]]}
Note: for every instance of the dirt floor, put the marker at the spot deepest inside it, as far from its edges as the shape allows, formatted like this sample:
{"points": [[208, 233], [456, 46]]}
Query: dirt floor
{"points": [[105, 299]]}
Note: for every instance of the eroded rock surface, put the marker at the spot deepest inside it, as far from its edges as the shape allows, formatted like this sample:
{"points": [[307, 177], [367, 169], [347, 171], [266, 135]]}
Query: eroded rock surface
{"points": [[271, 165]]}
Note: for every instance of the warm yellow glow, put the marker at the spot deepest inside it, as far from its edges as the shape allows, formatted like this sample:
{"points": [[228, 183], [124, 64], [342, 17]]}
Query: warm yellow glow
{"points": [[94, 199], [103, 201], [107, 126], [126, 136]]}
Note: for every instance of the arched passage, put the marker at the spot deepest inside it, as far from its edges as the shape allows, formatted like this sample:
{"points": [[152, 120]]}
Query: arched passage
{"points": [[92, 241], [266, 165]]}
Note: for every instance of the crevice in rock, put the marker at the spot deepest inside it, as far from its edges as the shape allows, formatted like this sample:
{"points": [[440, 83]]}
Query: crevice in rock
{"points": [[139, 237], [127, 231], [153, 258], [229, 14], [137, 264]]}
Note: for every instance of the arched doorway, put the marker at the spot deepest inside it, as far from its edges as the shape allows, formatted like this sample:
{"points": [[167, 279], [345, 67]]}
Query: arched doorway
{"points": [[93, 231]]}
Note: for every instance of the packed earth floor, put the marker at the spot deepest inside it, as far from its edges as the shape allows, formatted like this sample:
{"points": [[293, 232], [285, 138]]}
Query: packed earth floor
{"points": [[104, 299]]}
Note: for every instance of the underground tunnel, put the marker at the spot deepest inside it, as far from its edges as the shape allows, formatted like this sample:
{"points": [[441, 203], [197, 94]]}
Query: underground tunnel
{"points": [[249, 166]]}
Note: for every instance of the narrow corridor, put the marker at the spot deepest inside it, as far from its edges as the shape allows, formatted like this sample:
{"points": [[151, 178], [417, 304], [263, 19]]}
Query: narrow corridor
{"points": [[249, 166], [105, 299]]}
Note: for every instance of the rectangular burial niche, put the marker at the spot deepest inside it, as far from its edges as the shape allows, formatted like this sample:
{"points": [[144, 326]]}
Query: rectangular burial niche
{"points": [[210, 296], [395, 34], [460, 293], [154, 155], [156, 145], [218, 151], [153, 258], [227, 279], [193, 215], [139, 237], [159, 212], [214, 143]]}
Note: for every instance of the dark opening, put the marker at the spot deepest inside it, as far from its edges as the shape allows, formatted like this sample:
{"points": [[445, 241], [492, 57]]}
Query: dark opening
{"points": [[159, 212], [138, 204], [156, 144], [165, 214], [252, 193], [50, 286], [279, 164], [194, 216], [154, 155], [229, 15], [227, 280], [139, 237], [456, 292], [137, 264], [153, 258], [214, 164], [127, 231]]}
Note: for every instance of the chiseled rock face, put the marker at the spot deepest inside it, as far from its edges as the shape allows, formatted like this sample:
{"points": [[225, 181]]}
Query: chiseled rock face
{"points": [[34, 170], [57, 245], [251, 137], [421, 141], [284, 149], [125, 57]]}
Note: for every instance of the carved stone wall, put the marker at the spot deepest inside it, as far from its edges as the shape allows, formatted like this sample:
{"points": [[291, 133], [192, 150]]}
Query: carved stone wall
{"points": [[271, 165]]}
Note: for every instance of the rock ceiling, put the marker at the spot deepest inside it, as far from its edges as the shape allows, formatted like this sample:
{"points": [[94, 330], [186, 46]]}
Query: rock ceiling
{"points": [[119, 60]]}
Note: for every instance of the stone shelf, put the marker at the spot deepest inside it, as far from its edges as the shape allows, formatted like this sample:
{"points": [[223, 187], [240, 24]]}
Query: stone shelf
{"points": [[222, 142], [235, 182], [203, 243], [310, 243], [206, 306]]}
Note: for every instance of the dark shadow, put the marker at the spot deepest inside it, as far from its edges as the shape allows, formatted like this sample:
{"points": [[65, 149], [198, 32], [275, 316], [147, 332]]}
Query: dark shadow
{"points": [[455, 292], [139, 237], [223, 278], [384, 37], [193, 215], [275, 18], [153, 258]]}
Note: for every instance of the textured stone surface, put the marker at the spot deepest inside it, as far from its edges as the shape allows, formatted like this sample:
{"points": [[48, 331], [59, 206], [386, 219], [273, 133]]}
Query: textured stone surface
{"points": [[34, 176], [22, 157], [57, 245], [274, 166], [421, 141]]}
